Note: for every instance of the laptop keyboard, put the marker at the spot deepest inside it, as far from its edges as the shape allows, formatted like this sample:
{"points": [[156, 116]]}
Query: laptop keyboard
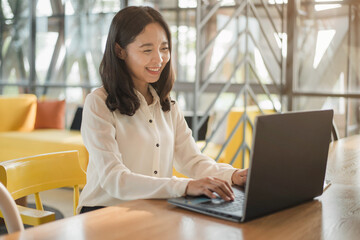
{"points": [[221, 205]]}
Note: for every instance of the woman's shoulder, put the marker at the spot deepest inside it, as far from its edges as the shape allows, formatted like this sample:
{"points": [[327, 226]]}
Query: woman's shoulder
{"points": [[99, 92], [174, 108], [173, 104], [96, 98], [96, 95]]}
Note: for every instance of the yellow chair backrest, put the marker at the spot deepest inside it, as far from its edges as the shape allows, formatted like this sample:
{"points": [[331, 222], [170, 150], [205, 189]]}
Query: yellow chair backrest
{"points": [[241, 135], [231, 153], [17, 113], [31, 175]]}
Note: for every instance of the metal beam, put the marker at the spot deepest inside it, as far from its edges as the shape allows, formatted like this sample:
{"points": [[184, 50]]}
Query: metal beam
{"points": [[291, 67], [32, 46]]}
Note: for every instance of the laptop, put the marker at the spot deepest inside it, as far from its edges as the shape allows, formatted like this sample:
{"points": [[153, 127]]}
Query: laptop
{"points": [[287, 167]]}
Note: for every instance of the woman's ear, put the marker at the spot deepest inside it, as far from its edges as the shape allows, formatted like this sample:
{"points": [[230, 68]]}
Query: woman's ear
{"points": [[120, 52]]}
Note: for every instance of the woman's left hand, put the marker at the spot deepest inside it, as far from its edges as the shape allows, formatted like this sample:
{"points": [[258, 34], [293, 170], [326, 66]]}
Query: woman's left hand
{"points": [[239, 177]]}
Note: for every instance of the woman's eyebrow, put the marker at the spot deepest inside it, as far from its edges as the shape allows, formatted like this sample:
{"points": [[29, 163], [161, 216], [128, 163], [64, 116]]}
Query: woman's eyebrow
{"points": [[146, 45], [150, 44]]}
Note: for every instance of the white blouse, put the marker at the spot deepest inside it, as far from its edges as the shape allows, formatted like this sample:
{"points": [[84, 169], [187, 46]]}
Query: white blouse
{"points": [[132, 157]]}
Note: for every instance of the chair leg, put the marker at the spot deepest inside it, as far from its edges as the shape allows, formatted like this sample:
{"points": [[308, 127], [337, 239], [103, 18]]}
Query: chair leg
{"points": [[76, 198], [38, 202]]}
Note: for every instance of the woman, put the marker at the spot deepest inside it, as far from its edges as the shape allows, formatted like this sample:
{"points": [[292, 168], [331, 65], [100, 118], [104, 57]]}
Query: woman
{"points": [[134, 133]]}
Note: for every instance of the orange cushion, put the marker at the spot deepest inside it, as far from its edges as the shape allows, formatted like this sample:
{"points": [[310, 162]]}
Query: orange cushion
{"points": [[50, 114]]}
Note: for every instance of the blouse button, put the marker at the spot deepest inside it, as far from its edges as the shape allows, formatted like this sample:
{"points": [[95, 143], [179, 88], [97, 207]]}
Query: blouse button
{"points": [[150, 121], [155, 172], [157, 145]]}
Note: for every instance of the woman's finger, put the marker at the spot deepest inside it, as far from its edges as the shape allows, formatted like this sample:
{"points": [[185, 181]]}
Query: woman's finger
{"points": [[227, 184], [209, 193], [222, 190]]}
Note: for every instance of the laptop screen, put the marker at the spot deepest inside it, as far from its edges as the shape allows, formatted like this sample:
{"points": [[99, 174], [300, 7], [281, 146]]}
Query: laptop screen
{"points": [[288, 160]]}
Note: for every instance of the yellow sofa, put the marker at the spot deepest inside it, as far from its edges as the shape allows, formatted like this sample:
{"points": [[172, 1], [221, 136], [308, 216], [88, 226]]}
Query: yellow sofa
{"points": [[18, 138]]}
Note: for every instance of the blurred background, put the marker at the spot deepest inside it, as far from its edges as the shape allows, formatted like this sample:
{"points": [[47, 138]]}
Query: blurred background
{"points": [[267, 55]]}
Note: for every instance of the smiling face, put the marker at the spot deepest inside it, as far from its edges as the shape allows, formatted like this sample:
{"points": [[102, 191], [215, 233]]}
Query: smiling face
{"points": [[146, 56]]}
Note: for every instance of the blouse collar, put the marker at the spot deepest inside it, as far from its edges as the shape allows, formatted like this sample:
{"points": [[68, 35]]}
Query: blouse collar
{"points": [[154, 94]]}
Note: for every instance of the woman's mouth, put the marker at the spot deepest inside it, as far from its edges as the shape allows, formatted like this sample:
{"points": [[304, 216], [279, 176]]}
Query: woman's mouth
{"points": [[154, 70]]}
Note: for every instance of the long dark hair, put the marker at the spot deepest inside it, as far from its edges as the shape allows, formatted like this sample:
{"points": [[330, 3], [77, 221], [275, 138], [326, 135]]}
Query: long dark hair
{"points": [[125, 26]]}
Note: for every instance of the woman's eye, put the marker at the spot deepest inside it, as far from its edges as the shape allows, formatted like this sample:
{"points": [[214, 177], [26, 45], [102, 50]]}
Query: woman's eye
{"points": [[165, 49], [147, 50]]}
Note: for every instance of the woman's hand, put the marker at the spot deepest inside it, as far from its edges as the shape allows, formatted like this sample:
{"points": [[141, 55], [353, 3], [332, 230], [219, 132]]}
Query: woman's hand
{"points": [[239, 177], [208, 186]]}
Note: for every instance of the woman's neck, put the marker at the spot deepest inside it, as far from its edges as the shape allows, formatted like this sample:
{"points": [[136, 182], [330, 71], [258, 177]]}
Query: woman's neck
{"points": [[145, 91]]}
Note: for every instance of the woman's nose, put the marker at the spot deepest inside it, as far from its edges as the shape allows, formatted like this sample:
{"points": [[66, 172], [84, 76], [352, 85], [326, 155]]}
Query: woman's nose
{"points": [[158, 57]]}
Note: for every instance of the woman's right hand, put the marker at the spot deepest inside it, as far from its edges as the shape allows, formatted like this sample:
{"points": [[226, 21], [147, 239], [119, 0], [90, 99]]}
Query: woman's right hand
{"points": [[208, 186]]}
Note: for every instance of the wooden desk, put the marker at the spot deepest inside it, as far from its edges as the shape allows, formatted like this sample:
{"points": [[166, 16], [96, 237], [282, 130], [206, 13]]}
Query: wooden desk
{"points": [[334, 215]]}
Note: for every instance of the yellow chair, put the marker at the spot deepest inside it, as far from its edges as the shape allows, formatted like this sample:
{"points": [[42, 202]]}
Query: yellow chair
{"points": [[237, 140], [228, 154], [31, 175]]}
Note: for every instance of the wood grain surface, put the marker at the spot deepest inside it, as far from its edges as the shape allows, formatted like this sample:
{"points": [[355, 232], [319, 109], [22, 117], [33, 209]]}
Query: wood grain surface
{"points": [[334, 215]]}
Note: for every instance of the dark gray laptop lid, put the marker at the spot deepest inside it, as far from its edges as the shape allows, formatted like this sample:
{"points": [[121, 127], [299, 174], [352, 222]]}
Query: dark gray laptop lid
{"points": [[288, 160]]}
